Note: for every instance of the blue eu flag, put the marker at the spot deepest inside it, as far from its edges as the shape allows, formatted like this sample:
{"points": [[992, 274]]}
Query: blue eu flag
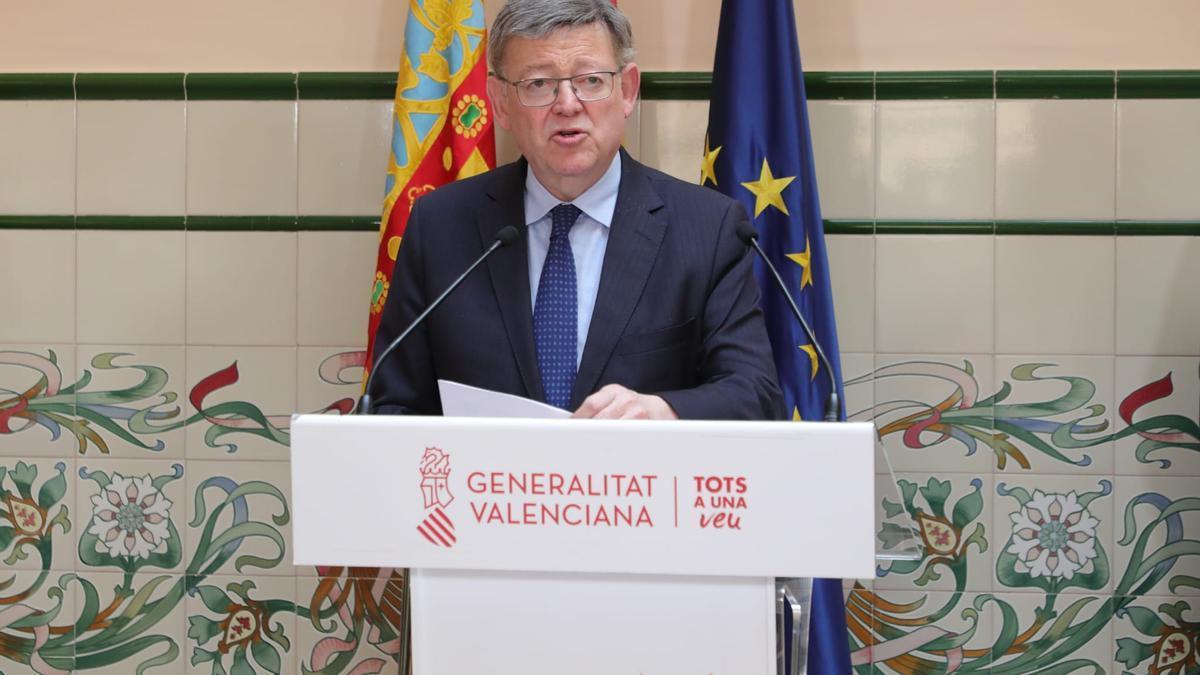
{"points": [[759, 151]]}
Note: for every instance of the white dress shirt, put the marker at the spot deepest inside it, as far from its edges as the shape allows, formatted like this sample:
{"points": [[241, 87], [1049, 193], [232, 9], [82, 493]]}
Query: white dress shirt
{"points": [[589, 239]]}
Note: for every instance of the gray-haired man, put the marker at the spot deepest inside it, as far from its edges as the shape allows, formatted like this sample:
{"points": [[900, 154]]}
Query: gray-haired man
{"points": [[630, 298]]}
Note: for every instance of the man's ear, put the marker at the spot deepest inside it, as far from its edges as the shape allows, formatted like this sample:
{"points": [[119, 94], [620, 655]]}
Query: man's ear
{"points": [[631, 80], [497, 92]]}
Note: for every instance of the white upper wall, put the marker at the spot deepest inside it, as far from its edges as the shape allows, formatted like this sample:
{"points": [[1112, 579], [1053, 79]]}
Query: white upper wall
{"points": [[314, 35]]}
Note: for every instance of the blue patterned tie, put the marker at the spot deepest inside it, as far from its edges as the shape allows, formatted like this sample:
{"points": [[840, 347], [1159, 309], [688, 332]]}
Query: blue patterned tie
{"points": [[555, 318]]}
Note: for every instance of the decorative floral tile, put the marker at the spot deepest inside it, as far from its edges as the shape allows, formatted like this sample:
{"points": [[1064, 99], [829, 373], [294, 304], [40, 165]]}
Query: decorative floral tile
{"points": [[347, 622], [951, 514], [242, 399], [134, 400], [1056, 413], [39, 609], [1068, 631], [36, 527], [239, 518], [930, 632], [1158, 406], [130, 515], [1158, 536], [37, 402], [934, 413], [241, 625], [1157, 634], [130, 622], [1053, 534], [329, 379]]}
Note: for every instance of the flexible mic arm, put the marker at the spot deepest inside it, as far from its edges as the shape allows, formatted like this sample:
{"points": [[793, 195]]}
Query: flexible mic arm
{"points": [[505, 237], [749, 236]]}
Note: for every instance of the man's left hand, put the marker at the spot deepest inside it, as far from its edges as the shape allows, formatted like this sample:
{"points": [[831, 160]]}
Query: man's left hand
{"points": [[614, 402]]}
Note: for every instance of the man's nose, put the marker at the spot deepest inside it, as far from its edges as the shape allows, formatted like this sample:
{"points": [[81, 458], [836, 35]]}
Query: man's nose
{"points": [[567, 102]]}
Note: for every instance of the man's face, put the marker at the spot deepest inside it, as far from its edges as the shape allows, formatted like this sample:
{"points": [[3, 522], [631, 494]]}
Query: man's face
{"points": [[570, 143]]}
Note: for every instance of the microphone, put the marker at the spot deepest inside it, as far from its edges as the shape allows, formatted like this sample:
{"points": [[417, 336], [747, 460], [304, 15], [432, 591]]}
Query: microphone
{"points": [[749, 236], [507, 236]]}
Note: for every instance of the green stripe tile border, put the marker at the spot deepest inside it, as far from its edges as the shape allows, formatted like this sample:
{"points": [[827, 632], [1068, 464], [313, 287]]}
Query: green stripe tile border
{"points": [[240, 86], [241, 223], [37, 222], [935, 227], [37, 86], [1056, 227], [925, 85], [1190, 228], [346, 85], [338, 223], [849, 227], [656, 85], [1158, 84], [146, 223], [129, 86], [1056, 84]]}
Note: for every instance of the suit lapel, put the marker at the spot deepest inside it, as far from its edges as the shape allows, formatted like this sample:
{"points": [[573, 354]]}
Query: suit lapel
{"points": [[634, 239], [509, 270]]}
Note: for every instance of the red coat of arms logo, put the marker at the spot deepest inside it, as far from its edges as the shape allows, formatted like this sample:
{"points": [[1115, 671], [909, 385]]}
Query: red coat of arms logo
{"points": [[436, 527]]}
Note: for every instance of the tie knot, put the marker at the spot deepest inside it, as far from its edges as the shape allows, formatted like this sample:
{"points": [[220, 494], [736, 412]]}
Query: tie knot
{"points": [[563, 218]]}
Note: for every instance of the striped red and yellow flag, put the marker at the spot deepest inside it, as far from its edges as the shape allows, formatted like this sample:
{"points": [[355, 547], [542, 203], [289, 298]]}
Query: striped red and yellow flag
{"points": [[442, 122]]}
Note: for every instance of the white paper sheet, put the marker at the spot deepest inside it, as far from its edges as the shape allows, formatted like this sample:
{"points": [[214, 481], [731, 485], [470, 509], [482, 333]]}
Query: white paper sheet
{"points": [[462, 400]]}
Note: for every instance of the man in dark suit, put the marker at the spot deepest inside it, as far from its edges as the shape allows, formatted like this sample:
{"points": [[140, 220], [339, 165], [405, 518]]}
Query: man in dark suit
{"points": [[630, 295]]}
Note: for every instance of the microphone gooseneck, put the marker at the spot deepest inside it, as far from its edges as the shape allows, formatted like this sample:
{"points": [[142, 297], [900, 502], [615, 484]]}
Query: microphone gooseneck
{"points": [[507, 236], [749, 236]]}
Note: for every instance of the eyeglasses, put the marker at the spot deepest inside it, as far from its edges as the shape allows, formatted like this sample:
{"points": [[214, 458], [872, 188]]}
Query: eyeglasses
{"points": [[539, 92]]}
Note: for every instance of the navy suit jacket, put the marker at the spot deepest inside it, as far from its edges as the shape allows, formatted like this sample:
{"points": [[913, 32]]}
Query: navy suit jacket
{"points": [[676, 313]]}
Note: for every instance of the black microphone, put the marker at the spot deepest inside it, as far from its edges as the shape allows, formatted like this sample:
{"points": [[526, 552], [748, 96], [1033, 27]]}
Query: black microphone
{"points": [[749, 236], [507, 236]]}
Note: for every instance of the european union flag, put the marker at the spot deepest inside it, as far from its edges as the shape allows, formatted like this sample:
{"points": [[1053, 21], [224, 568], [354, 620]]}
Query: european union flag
{"points": [[759, 151]]}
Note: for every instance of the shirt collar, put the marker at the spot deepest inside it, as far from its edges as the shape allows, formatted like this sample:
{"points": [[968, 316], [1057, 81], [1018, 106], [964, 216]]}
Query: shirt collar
{"points": [[598, 202]]}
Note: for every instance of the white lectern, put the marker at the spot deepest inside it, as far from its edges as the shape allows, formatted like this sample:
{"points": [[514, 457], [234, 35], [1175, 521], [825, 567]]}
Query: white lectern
{"points": [[583, 547]]}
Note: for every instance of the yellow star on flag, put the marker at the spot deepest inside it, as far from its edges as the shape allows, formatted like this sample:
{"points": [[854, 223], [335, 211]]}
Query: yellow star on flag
{"points": [[804, 260], [812, 358], [768, 190], [708, 163], [796, 415]]}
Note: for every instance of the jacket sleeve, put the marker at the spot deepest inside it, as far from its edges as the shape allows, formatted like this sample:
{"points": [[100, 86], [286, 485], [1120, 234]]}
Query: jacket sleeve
{"points": [[737, 370], [406, 382]]}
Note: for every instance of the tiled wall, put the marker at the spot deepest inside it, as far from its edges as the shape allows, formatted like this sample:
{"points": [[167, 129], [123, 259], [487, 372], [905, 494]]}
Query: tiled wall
{"points": [[178, 276]]}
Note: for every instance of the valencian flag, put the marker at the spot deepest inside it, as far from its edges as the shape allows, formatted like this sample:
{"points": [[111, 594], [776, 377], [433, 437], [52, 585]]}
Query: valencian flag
{"points": [[442, 122], [759, 151]]}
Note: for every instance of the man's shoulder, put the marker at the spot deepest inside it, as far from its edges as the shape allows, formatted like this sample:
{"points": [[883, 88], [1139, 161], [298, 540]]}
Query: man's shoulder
{"points": [[677, 192], [464, 191]]}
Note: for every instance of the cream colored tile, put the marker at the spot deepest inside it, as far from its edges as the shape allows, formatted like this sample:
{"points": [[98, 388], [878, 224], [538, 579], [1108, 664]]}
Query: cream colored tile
{"points": [[1158, 159], [852, 276], [936, 159], [843, 137], [1158, 306], [39, 496], [933, 294], [37, 267], [956, 615], [241, 288], [1089, 637], [156, 603], [143, 393], [1075, 390], [312, 633], [858, 384], [241, 158], [247, 614], [336, 273], [258, 388], [344, 149], [1139, 501], [131, 157], [35, 376], [1054, 295], [37, 157], [1157, 392], [265, 500], [917, 436], [328, 378], [131, 287], [148, 501], [1032, 507], [1055, 159], [672, 137]]}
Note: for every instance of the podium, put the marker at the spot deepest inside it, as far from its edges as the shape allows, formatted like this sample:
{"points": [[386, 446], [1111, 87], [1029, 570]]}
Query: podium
{"points": [[582, 546]]}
